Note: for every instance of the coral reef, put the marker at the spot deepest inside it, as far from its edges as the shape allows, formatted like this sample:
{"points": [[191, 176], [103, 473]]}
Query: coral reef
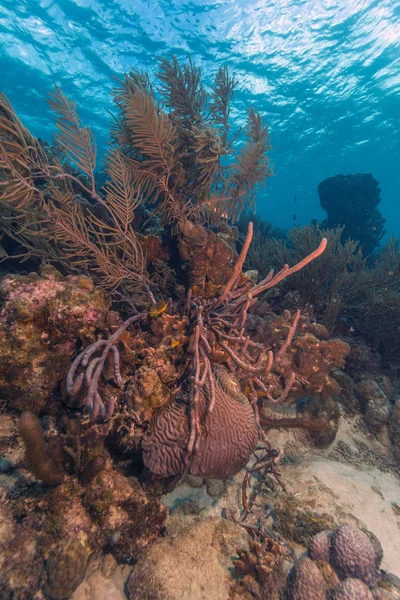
{"points": [[202, 252], [298, 523], [165, 153], [320, 547], [42, 321], [259, 569], [231, 435], [347, 293], [196, 361], [209, 400], [394, 429], [343, 565], [215, 325], [325, 410], [376, 408], [93, 505]]}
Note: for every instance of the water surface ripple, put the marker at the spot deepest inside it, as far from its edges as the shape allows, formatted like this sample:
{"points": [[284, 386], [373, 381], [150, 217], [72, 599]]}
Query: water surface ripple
{"points": [[324, 73]]}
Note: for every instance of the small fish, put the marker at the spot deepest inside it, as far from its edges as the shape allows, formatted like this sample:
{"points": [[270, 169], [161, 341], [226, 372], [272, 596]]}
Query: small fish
{"points": [[157, 309], [295, 197], [295, 217]]}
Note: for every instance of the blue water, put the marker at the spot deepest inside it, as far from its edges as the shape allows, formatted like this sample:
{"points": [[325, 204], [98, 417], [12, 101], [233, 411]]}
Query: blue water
{"points": [[325, 74]]}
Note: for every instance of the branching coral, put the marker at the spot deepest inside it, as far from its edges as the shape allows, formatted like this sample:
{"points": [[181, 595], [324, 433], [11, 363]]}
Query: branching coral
{"points": [[175, 157], [336, 278], [40, 210], [260, 569]]}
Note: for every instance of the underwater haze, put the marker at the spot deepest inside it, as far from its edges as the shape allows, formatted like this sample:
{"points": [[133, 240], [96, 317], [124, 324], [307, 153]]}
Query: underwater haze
{"points": [[324, 74]]}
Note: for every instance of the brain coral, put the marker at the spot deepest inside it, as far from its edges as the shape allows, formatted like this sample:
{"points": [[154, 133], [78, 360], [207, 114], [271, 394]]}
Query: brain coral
{"points": [[320, 547], [353, 555], [352, 589], [230, 435], [305, 582]]}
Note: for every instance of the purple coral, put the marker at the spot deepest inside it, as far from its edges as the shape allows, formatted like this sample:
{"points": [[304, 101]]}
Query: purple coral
{"points": [[320, 548], [92, 369], [353, 555], [305, 582], [352, 589]]}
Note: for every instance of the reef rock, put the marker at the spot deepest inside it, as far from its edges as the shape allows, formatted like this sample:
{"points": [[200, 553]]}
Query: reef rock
{"points": [[376, 407], [104, 580], [207, 258], [347, 396], [65, 569], [192, 562], [42, 318]]}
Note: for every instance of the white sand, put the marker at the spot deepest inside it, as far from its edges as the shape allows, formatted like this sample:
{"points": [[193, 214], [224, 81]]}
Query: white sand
{"points": [[349, 494]]}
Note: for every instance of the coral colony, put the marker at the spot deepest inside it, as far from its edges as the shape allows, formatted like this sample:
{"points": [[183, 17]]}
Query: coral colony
{"points": [[161, 331], [216, 325]]}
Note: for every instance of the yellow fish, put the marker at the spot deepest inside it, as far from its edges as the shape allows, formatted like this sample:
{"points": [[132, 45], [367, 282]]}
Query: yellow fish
{"points": [[157, 309]]}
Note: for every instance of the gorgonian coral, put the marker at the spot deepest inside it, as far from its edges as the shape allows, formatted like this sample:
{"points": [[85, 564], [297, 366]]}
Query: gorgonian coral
{"points": [[170, 151]]}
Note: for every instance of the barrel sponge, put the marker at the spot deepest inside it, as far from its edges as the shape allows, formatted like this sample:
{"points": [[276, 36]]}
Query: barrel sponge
{"points": [[353, 555], [305, 582]]}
